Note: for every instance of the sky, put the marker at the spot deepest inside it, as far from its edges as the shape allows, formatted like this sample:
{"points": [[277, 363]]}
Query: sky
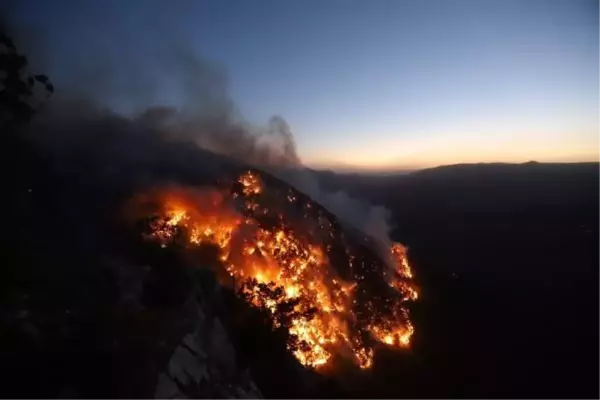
{"points": [[370, 85]]}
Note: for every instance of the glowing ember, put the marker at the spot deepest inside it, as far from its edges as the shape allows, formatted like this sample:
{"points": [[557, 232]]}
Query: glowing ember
{"points": [[251, 183], [276, 262]]}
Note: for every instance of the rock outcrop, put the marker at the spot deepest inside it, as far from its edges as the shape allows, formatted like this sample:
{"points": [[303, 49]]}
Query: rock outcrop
{"points": [[203, 364]]}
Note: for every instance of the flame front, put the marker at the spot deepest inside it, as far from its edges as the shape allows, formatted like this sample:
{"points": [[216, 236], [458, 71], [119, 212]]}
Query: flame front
{"points": [[284, 268]]}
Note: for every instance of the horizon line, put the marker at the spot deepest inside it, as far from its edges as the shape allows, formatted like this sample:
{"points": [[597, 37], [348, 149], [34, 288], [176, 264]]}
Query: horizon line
{"points": [[407, 169]]}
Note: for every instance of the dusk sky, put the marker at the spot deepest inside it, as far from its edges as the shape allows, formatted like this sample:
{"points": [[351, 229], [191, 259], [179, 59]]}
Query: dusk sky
{"points": [[374, 84]]}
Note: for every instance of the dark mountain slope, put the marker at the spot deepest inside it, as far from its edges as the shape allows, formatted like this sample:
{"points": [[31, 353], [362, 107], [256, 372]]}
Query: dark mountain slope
{"points": [[507, 259]]}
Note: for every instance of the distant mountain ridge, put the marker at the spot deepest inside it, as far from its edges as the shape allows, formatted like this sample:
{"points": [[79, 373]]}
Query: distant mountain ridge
{"points": [[462, 166], [474, 186]]}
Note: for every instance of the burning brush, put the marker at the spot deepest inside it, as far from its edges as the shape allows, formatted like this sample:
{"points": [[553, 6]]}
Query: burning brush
{"points": [[287, 255]]}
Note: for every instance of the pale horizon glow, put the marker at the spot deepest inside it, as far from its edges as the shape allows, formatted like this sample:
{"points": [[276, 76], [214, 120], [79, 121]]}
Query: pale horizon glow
{"points": [[457, 148]]}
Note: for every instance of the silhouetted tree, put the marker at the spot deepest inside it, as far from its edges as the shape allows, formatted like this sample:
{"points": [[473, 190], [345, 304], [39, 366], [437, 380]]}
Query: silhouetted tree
{"points": [[17, 84]]}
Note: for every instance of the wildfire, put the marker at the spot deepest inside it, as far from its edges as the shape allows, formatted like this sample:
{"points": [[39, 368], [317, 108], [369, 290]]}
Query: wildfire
{"points": [[282, 265]]}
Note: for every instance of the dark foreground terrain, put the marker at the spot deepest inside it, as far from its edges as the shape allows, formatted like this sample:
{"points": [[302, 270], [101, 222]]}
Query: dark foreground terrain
{"points": [[507, 260], [506, 257]]}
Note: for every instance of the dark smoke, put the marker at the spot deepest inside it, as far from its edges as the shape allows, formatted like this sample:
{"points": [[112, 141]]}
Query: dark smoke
{"points": [[108, 108]]}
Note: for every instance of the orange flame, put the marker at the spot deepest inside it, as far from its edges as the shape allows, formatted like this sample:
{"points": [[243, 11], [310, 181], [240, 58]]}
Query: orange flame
{"points": [[289, 265]]}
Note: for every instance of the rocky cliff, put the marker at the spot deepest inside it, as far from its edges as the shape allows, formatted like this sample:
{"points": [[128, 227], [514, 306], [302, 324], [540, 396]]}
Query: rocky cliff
{"points": [[203, 364]]}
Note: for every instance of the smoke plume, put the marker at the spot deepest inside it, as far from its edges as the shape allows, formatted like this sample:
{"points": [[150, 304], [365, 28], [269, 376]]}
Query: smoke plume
{"points": [[116, 102]]}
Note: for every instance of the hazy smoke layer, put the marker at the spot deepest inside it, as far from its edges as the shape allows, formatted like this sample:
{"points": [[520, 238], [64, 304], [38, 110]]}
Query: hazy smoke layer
{"points": [[114, 101]]}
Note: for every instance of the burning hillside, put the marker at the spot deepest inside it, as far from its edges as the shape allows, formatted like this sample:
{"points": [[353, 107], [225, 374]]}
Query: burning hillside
{"points": [[287, 255]]}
